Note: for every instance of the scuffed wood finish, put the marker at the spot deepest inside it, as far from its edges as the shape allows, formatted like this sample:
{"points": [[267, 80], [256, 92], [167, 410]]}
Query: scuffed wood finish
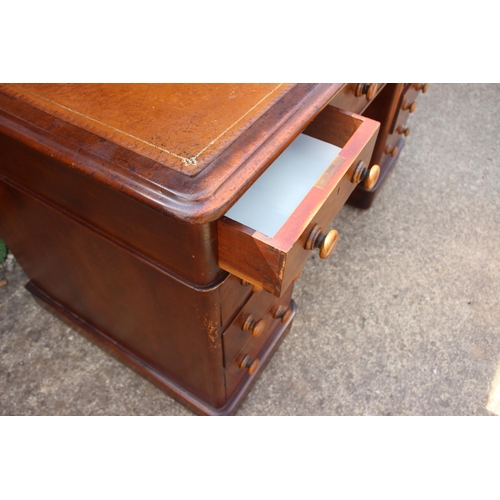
{"points": [[134, 225], [173, 328], [176, 390], [99, 149], [167, 331], [274, 262]]}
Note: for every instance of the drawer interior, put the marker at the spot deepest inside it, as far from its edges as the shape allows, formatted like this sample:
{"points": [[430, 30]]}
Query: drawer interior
{"points": [[262, 238], [271, 200]]}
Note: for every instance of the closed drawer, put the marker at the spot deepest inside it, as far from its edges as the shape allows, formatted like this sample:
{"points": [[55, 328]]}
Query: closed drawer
{"points": [[272, 257], [252, 353], [254, 322], [407, 105], [391, 147], [356, 97], [233, 294]]}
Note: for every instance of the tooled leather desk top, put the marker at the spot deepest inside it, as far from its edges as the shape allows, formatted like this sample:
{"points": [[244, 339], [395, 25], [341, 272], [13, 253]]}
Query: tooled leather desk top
{"points": [[181, 126], [186, 149]]}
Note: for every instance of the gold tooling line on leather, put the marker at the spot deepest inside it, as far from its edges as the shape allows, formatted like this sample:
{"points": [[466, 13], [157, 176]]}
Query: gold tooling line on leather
{"points": [[193, 160]]}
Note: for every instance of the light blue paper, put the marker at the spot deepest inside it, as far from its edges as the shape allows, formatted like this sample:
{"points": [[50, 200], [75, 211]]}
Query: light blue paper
{"points": [[279, 190]]}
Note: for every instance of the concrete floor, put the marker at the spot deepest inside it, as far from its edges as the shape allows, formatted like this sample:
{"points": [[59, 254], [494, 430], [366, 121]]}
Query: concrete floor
{"points": [[403, 319]]}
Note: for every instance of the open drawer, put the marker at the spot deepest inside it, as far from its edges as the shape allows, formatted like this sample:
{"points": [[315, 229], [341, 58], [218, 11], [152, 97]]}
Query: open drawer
{"points": [[270, 231]]}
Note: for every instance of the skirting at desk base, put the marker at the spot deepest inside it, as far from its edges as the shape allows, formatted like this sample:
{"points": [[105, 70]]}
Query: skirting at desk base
{"points": [[164, 383]]}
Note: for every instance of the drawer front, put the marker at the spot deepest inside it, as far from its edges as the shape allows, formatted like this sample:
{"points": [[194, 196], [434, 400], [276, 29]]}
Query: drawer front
{"points": [[234, 292], [249, 357], [395, 146], [407, 105], [391, 147], [355, 97], [399, 130], [254, 322], [273, 262]]}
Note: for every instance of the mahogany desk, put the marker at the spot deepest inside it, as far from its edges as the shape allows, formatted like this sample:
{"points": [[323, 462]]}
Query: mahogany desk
{"points": [[113, 200]]}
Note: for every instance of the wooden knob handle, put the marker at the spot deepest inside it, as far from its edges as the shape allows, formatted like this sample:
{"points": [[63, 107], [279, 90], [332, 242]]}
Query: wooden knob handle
{"points": [[372, 177], [391, 150], [409, 106], [367, 89], [325, 242], [369, 176], [422, 86], [283, 313], [249, 365], [254, 326], [403, 130]]}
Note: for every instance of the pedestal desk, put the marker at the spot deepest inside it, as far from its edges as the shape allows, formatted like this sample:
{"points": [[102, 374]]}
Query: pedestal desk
{"points": [[113, 198]]}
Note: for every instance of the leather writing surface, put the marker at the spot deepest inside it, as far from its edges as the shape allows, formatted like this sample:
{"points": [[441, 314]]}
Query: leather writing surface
{"points": [[181, 126], [185, 150]]}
